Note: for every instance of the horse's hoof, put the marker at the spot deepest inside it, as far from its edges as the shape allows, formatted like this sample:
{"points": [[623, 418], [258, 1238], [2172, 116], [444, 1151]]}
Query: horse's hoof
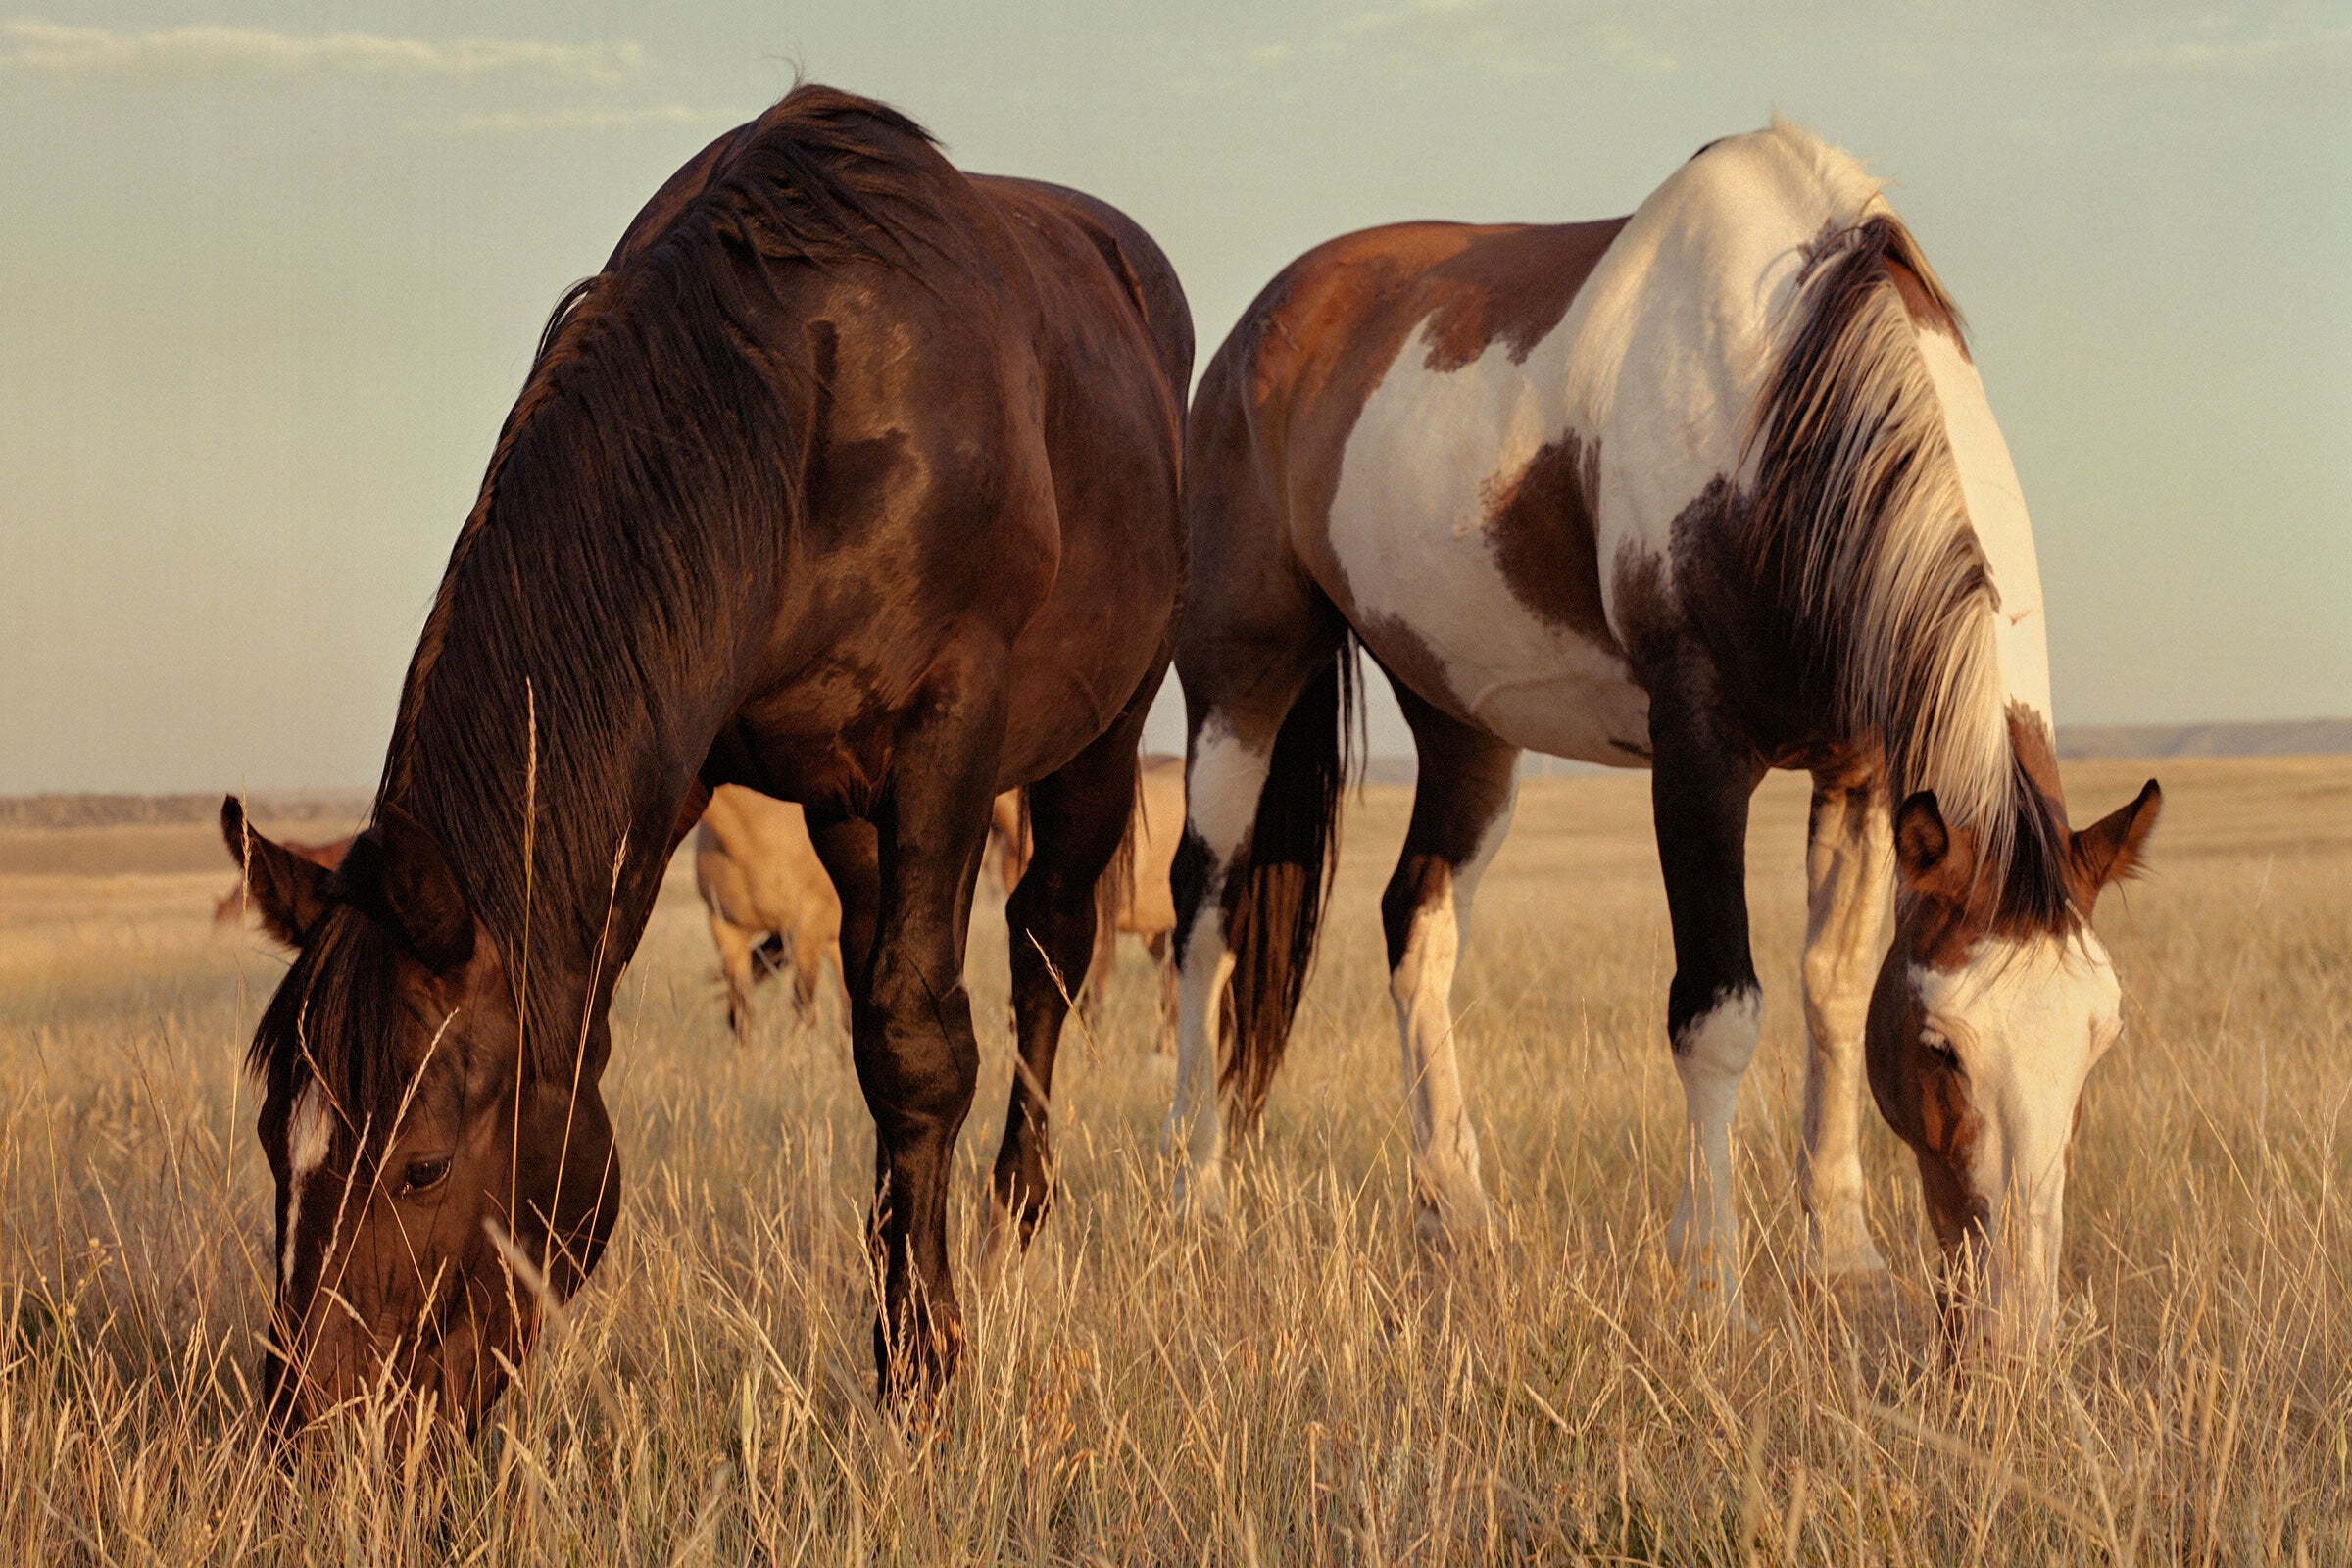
{"points": [[1000, 1248], [1457, 1224], [1199, 1195]]}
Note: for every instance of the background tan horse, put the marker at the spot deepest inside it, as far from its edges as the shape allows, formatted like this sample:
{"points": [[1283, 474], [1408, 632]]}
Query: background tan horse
{"points": [[767, 894]]}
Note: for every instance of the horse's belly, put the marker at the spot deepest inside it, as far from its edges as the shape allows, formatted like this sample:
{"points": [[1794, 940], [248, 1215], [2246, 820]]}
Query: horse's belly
{"points": [[1461, 542], [1432, 604]]}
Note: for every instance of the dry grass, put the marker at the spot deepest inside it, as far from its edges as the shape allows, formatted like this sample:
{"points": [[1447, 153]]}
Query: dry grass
{"points": [[1305, 1386]]}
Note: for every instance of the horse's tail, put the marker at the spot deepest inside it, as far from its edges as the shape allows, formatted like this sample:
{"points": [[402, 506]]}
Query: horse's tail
{"points": [[1278, 886]]}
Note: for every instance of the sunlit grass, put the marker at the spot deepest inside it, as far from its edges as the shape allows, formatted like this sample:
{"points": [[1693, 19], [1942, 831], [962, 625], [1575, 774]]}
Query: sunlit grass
{"points": [[1304, 1385]]}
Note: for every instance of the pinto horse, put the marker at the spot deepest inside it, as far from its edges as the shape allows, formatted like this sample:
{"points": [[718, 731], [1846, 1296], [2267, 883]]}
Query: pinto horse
{"points": [[853, 480], [1711, 489]]}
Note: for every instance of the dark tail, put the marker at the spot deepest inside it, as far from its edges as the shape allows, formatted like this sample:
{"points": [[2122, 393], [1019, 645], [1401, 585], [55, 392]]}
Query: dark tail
{"points": [[1274, 897]]}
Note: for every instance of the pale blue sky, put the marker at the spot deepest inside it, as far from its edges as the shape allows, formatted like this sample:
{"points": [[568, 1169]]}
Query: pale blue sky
{"points": [[271, 274]]}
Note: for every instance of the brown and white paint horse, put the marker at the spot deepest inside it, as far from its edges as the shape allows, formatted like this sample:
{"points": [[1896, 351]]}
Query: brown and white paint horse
{"points": [[1713, 488]]}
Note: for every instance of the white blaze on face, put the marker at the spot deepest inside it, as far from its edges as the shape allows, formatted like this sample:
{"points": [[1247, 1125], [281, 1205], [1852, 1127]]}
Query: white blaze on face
{"points": [[2028, 1018], [308, 1134]]}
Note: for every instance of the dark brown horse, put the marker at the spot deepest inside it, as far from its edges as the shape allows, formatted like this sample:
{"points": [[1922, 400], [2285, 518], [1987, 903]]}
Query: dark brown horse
{"points": [[851, 478], [230, 906]]}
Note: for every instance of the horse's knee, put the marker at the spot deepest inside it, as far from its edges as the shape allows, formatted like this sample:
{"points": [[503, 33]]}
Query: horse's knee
{"points": [[915, 1051]]}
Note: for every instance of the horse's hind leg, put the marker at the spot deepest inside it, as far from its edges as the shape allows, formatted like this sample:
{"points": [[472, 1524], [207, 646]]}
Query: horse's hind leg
{"points": [[1163, 964], [1077, 817], [1461, 812], [809, 948], [1700, 780], [1848, 874], [1238, 702]]}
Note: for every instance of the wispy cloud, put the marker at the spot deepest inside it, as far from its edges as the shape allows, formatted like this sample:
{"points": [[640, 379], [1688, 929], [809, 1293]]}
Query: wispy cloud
{"points": [[511, 121], [56, 49], [1513, 38], [2214, 54]]}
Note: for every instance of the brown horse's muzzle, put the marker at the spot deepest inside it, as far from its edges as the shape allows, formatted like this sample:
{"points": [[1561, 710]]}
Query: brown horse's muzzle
{"points": [[452, 1362]]}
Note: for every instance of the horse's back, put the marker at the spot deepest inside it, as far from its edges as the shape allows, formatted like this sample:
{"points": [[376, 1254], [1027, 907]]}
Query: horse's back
{"points": [[1377, 423], [1140, 277]]}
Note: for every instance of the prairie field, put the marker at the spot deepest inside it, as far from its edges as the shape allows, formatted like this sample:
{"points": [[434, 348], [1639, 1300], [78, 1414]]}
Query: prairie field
{"points": [[1304, 1384]]}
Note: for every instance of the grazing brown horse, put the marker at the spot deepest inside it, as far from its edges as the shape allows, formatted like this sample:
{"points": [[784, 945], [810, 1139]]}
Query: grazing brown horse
{"points": [[1134, 897], [230, 906], [1711, 489], [768, 896], [851, 478]]}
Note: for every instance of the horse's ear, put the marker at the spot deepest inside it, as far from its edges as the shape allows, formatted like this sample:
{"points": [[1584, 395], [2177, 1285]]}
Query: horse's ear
{"points": [[396, 872], [2110, 848], [1933, 859], [289, 891]]}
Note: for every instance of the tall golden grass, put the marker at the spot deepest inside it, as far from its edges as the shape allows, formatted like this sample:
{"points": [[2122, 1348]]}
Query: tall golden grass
{"points": [[1304, 1385]]}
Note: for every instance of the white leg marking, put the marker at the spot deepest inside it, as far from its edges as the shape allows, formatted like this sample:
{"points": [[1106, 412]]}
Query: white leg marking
{"points": [[1195, 1127], [1448, 1193], [1221, 788], [1220, 804], [1711, 1057], [1845, 916], [308, 1132]]}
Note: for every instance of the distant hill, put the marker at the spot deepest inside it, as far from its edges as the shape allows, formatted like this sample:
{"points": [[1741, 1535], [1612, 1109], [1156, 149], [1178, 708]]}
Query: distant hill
{"points": [[2286, 737], [37, 812]]}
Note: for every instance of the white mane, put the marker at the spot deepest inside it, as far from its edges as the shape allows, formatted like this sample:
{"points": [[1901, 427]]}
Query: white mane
{"points": [[1863, 500]]}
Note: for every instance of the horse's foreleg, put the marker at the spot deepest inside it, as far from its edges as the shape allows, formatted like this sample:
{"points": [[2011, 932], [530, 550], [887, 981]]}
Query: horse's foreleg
{"points": [[1163, 964], [1462, 812], [1076, 819], [1700, 781], [902, 885], [1849, 869], [734, 947]]}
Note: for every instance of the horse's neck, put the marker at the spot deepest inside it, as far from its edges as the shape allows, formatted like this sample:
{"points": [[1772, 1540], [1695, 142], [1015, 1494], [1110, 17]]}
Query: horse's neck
{"points": [[559, 839], [1996, 512]]}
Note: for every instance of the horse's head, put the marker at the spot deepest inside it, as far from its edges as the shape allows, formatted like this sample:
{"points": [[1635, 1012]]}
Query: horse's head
{"points": [[1983, 1029], [417, 1155]]}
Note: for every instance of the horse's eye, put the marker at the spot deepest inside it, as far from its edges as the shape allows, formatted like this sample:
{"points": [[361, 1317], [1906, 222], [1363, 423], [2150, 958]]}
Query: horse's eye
{"points": [[422, 1174], [1939, 1052]]}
